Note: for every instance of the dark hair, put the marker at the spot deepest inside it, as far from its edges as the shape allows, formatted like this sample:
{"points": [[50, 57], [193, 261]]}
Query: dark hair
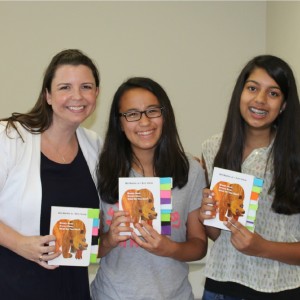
{"points": [[39, 118], [116, 157], [285, 152]]}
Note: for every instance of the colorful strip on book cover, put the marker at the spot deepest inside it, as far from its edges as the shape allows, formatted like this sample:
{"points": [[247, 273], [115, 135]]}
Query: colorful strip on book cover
{"points": [[256, 190], [94, 214], [165, 204]]}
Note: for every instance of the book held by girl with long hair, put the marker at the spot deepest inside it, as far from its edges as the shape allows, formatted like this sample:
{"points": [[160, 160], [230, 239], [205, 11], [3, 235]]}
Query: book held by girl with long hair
{"points": [[237, 195], [147, 199]]}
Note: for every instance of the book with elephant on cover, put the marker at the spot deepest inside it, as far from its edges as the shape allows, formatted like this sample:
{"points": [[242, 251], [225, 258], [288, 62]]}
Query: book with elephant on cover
{"points": [[147, 199], [76, 231], [237, 195]]}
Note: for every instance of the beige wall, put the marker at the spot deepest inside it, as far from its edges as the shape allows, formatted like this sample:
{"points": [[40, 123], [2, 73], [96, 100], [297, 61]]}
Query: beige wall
{"points": [[283, 34], [194, 49]]}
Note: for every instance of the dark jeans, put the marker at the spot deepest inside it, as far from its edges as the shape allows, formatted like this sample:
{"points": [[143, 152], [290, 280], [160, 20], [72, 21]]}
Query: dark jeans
{"points": [[207, 295]]}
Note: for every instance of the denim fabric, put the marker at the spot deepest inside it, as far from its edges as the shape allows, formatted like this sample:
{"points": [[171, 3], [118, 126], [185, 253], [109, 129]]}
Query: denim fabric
{"points": [[207, 295]]}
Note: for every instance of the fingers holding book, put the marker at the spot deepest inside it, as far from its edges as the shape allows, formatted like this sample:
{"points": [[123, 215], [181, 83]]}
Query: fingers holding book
{"points": [[151, 240], [209, 206], [120, 218]]}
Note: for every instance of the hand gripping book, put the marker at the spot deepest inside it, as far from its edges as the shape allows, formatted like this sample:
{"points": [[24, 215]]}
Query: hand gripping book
{"points": [[76, 231], [147, 199], [237, 195]]}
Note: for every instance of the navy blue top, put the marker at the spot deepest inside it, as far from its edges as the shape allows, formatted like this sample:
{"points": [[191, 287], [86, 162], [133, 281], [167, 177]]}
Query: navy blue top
{"points": [[62, 185]]}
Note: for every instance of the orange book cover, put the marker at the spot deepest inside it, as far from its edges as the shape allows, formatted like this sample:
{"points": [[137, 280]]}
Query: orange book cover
{"points": [[237, 195], [140, 196], [76, 231]]}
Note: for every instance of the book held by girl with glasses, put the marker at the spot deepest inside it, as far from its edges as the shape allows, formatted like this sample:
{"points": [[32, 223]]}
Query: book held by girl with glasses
{"points": [[147, 199]]}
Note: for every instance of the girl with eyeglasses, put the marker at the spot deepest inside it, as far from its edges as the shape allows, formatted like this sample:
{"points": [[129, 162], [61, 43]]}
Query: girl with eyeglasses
{"points": [[142, 140]]}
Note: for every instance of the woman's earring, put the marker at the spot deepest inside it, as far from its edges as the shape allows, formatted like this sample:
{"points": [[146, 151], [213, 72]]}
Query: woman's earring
{"points": [[282, 108]]}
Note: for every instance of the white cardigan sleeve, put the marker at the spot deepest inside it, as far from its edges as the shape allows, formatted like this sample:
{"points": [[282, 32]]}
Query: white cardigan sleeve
{"points": [[20, 182]]}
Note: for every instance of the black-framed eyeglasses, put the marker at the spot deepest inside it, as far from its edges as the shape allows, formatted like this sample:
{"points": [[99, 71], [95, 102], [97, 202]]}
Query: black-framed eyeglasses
{"points": [[136, 115]]}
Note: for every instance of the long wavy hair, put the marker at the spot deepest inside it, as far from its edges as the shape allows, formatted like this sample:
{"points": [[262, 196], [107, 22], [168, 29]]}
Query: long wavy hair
{"points": [[39, 118], [117, 156], [285, 152]]}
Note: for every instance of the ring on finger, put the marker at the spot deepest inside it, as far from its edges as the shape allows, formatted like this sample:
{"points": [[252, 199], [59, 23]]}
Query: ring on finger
{"points": [[41, 258]]}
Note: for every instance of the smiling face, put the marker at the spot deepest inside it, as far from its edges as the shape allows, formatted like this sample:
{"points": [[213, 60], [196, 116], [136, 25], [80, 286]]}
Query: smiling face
{"points": [[145, 133], [73, 95], [261, 100]]}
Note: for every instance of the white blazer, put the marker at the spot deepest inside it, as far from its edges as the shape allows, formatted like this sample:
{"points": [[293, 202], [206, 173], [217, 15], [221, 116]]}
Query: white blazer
{"points": [[20, 180]]}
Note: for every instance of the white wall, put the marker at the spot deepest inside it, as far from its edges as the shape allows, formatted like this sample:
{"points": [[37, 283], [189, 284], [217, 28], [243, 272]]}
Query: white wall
{"points": [[283, 35], [194, 49]]}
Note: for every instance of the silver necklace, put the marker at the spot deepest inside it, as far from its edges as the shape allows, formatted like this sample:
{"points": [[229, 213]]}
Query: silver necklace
{"points": [[62, 156]]}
